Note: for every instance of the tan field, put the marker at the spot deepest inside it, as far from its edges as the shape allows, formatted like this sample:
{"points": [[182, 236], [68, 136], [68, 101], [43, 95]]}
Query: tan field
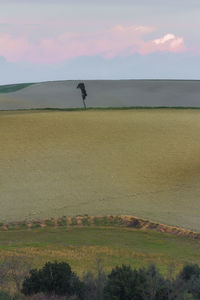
{"points": [[137, 162]]}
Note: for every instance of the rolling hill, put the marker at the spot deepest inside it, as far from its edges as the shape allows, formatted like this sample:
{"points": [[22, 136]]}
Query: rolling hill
{"points": [[101, 93]]}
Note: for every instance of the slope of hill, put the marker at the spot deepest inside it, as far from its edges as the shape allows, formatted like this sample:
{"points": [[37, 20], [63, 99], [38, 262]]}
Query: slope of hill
{"points": [[138, 162], [104, 93]]}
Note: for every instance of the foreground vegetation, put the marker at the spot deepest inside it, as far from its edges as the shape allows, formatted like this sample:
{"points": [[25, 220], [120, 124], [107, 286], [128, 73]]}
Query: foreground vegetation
{"points": [[140, 162], [94, 247], [57, 281]]}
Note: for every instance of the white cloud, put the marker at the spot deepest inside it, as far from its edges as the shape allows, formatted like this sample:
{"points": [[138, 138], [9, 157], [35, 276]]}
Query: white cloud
{"points": [[165, 39], [170, 42]]}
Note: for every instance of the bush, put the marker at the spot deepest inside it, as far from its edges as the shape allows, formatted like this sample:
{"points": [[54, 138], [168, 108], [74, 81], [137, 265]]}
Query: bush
{"points": [[189, 271], [85, 221], [194, 287], [74, 221], [189, 280], [62, 221], [129, 284], [35, 224], [23, 225], [157, 287], [125, 283], [50, 222], [53, 279]]}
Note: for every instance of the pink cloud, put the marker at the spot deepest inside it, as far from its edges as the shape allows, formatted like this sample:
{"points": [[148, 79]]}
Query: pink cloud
{"points": [[117, 41], [13, 49]]}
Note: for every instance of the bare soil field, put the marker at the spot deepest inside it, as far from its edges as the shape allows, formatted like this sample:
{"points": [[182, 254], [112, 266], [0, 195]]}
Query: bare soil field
{"points": [[137, 162]]}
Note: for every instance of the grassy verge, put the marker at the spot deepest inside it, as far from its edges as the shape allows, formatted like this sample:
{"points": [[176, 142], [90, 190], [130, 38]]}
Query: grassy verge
{"points": [[82, 246], [104, 108], [123, 108]]}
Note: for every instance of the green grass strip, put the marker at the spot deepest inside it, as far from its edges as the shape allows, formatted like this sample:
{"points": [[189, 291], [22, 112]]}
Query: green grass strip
{"points": [[104, 108], [10, 88]]}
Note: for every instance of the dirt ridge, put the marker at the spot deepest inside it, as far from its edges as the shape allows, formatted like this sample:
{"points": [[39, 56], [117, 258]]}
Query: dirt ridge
{"points": [[109, 220]]}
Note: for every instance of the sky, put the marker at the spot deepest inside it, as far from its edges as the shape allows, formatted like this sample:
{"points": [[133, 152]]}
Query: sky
{"points": [[43, 40]]}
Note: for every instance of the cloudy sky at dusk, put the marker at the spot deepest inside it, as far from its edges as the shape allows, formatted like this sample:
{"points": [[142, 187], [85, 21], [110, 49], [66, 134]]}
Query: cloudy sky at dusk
{"points": [[87, 39]]}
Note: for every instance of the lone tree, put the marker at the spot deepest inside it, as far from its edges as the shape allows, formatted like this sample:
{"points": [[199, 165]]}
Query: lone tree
{"points": [[81, 86]]}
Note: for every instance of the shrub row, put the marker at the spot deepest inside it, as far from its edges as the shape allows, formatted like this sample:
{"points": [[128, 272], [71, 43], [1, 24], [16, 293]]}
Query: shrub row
{"points": [[57, 281]]}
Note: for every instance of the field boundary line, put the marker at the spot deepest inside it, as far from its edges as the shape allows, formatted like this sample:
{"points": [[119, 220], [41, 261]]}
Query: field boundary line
{"points": [[125, 221]]}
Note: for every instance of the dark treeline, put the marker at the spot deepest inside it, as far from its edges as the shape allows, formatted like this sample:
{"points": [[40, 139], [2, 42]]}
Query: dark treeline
{"points": [[57, 281]]}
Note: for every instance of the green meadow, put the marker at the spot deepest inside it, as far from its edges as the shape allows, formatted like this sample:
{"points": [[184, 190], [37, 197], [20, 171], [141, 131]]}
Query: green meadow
{"points": [[83, 246]]}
